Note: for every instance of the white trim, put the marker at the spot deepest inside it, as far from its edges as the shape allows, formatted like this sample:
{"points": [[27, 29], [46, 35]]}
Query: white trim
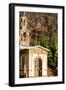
{"points": [[33, 47]]}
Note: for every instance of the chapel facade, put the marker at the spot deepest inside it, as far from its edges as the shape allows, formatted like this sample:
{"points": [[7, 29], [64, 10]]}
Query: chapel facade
{"points": [[33, 59]]}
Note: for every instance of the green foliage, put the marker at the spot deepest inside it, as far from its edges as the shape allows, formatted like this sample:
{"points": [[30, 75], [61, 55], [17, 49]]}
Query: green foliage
{"points": [[36, 42], [46, 41], [53, 54], [52, 45]]}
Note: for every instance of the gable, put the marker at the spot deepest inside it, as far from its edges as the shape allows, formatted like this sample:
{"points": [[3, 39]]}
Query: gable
{"points": [[37, 51]]}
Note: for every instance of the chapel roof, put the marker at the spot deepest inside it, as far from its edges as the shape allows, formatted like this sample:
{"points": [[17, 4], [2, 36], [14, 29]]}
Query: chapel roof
{"points": [[33, 47]]}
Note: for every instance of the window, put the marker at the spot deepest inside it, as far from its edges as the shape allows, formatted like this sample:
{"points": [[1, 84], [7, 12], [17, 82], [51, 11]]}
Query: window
{"points": [[23, 22], [21, 37], [25, 36]]}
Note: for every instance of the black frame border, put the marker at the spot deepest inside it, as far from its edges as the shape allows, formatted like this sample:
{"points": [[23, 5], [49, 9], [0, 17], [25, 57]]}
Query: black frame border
{"points": [[12, 43]]}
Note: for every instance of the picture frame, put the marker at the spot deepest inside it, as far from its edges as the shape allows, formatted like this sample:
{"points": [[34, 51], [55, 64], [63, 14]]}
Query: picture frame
{"points": [[36, 44]]}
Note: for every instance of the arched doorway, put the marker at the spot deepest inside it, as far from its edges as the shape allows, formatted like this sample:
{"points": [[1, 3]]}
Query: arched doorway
{"points": [[38, 67]]}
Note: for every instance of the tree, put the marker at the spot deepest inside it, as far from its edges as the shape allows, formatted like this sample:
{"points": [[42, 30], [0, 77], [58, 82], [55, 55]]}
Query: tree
{"points": [[53, 54]]}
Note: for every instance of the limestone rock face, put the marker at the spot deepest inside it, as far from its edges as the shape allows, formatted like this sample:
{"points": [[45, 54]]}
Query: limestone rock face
{"points": [[37, 25]]}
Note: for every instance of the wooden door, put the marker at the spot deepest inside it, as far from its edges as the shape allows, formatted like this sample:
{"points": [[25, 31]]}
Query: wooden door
{"points": [[38, 67]]}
